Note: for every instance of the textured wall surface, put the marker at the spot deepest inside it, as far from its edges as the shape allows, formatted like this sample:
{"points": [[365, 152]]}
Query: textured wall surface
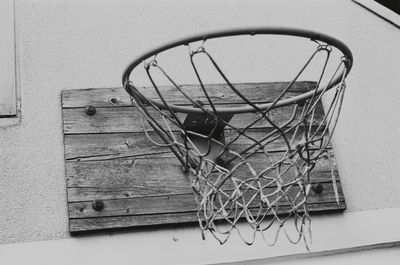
{"points": [[82, 44]]}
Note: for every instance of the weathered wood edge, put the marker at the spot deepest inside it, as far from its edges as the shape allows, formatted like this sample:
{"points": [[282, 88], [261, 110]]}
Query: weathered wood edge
{"points": [[70, 223]]}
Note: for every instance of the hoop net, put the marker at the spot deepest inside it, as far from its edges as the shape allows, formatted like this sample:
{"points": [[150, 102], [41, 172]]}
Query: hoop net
{"points": [[257, 175]]}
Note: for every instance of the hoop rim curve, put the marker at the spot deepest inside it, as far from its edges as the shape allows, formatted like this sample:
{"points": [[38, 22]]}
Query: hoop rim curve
{"points": [[295, 32]]}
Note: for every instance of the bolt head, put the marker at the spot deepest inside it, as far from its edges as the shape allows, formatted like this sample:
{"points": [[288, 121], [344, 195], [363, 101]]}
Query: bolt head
{"points": [[98, 205], [318, 188], [90, 110]]}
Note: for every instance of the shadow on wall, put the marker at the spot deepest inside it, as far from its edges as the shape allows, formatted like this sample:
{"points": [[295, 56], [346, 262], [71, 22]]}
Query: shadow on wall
{"points": [[393, 5]]}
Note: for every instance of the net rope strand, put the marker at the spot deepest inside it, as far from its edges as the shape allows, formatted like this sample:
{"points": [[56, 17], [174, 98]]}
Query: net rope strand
{"points": [[274, 196]]}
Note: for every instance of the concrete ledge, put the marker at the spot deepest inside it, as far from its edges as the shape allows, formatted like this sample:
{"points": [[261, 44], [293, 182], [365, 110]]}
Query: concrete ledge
{"points": [[332, 234]]}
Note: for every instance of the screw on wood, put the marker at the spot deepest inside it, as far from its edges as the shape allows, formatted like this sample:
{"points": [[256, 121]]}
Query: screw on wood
{"points": [[98, 205], [90, 110], [114, 101], [317, 188]]}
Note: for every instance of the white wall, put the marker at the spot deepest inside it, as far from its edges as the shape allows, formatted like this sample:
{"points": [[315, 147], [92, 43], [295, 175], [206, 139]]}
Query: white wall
{"points": [[82, 44]]}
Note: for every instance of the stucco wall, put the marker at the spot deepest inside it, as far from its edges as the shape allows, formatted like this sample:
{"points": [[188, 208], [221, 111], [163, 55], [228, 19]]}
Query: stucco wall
{"points": [[82, 44]]}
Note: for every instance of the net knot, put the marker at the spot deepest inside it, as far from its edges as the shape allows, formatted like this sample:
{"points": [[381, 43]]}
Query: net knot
{"points": [[325, 47], [152, 63]]}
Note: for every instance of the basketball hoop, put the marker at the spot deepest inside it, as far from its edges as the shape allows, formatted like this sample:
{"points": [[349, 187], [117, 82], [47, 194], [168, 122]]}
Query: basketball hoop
{"points": [[241, 176]]}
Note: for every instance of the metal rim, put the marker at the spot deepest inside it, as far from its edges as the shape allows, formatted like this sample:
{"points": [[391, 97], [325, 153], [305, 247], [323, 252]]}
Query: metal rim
{"points": [[302, 33]]}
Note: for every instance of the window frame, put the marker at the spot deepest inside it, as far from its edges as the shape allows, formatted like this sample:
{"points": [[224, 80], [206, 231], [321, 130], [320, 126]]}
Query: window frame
{"points": [[8, 73]]}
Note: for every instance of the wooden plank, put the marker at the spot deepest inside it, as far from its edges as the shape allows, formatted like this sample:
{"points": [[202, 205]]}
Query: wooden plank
{"points": [[128, 119], [184, 202], [107, 146], [153, 175], [111, 97], [145, 176], [79, 225], [118, 222]]}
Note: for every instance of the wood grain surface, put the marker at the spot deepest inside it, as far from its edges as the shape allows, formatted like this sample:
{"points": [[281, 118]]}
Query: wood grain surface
{"points": [[109, 158]]}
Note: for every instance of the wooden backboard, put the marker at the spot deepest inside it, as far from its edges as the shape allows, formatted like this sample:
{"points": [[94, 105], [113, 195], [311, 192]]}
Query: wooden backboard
{"points": [[110, 161]]}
